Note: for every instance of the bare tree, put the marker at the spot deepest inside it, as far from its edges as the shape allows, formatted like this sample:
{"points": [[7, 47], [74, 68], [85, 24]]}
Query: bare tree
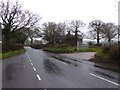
{"points": [[75, 26], [13, 18], [53, 32], [109, 31], [95, 27], [60, 32], [91, 35], [49, 32], [32, 33]]}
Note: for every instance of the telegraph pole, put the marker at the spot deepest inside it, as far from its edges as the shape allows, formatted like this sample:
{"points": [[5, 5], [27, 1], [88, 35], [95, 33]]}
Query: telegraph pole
{"points": [[118, 22]]}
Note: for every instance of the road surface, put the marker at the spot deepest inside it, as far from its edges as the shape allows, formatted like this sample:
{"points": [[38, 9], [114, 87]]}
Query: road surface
{"points": [[40, 69]]}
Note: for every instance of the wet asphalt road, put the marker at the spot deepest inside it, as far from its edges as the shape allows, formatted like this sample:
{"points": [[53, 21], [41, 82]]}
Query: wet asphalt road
{"points": [[40, 69]]}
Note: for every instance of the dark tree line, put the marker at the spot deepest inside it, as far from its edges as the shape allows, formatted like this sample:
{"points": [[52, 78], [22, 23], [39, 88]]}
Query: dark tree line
{"points": [[62, 33]]}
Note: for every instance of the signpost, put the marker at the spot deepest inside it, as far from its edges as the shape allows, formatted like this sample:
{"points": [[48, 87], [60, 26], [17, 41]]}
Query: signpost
{"points": [[79, 42]]}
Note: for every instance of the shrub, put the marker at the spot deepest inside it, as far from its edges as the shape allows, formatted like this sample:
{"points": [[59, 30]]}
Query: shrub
{"points": [[60, 50], [114, 53], [60, 46], [109, 54], [11, 47], [38, 46], [106, 49]]}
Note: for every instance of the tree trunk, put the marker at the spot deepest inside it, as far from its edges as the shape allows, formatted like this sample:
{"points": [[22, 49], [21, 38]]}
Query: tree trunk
{"points": [[76, 36], [31, 40], [109, 41], [98, 39]]}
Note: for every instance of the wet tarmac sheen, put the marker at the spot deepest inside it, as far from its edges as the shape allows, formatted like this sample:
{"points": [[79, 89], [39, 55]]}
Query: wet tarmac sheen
{"points": [[48, 70]]}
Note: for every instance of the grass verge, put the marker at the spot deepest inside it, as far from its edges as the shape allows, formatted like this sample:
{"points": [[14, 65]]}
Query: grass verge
{"points": [[60, 50], [11, 53], [101, 53], [89, 50], [70, 50]]}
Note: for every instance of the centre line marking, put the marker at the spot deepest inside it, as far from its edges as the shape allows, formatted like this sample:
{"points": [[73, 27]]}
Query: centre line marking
{"points": [[30, 60], [38, 77], [105, 79], [28, 56], [32, 64], [34, 68]]}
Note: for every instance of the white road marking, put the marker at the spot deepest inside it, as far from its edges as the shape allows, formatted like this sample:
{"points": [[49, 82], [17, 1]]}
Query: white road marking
{"points": [[34, 68], [104, 79], [28, 56], [32, 64], [38, 76], [24, 66]]}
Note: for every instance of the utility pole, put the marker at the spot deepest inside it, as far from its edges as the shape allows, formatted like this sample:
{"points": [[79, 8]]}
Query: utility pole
{"points": [[118, 22]]}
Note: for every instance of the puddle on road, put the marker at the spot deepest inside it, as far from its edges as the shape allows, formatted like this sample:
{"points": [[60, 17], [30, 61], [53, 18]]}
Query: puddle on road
{"points": [[51, 67]]}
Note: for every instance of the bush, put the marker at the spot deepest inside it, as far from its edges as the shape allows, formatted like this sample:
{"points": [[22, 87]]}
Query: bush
{"points": [[109, 54], [38, 46], [60, 46], [11, 47], [58, 49], [106, 49], [114, 53]]}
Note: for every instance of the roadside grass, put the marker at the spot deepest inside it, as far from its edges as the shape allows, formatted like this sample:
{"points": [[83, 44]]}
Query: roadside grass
{"points": [[69, 50], [60, 50], [101, 53], [11, 53], [89, 50]]}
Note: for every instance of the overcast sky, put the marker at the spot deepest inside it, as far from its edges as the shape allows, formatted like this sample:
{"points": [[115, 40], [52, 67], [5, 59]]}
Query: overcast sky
{"points": [[85, 10]]}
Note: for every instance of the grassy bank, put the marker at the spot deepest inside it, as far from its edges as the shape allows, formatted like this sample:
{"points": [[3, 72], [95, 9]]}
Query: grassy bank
{"points": [[11, 53], [60, 50], [108, 57], [89, 50], [69, 50]]}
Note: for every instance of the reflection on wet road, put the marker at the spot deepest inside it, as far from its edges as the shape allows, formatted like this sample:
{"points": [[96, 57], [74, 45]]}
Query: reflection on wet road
{"points": [[51, 67], [39, 69], [12, 68]]}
